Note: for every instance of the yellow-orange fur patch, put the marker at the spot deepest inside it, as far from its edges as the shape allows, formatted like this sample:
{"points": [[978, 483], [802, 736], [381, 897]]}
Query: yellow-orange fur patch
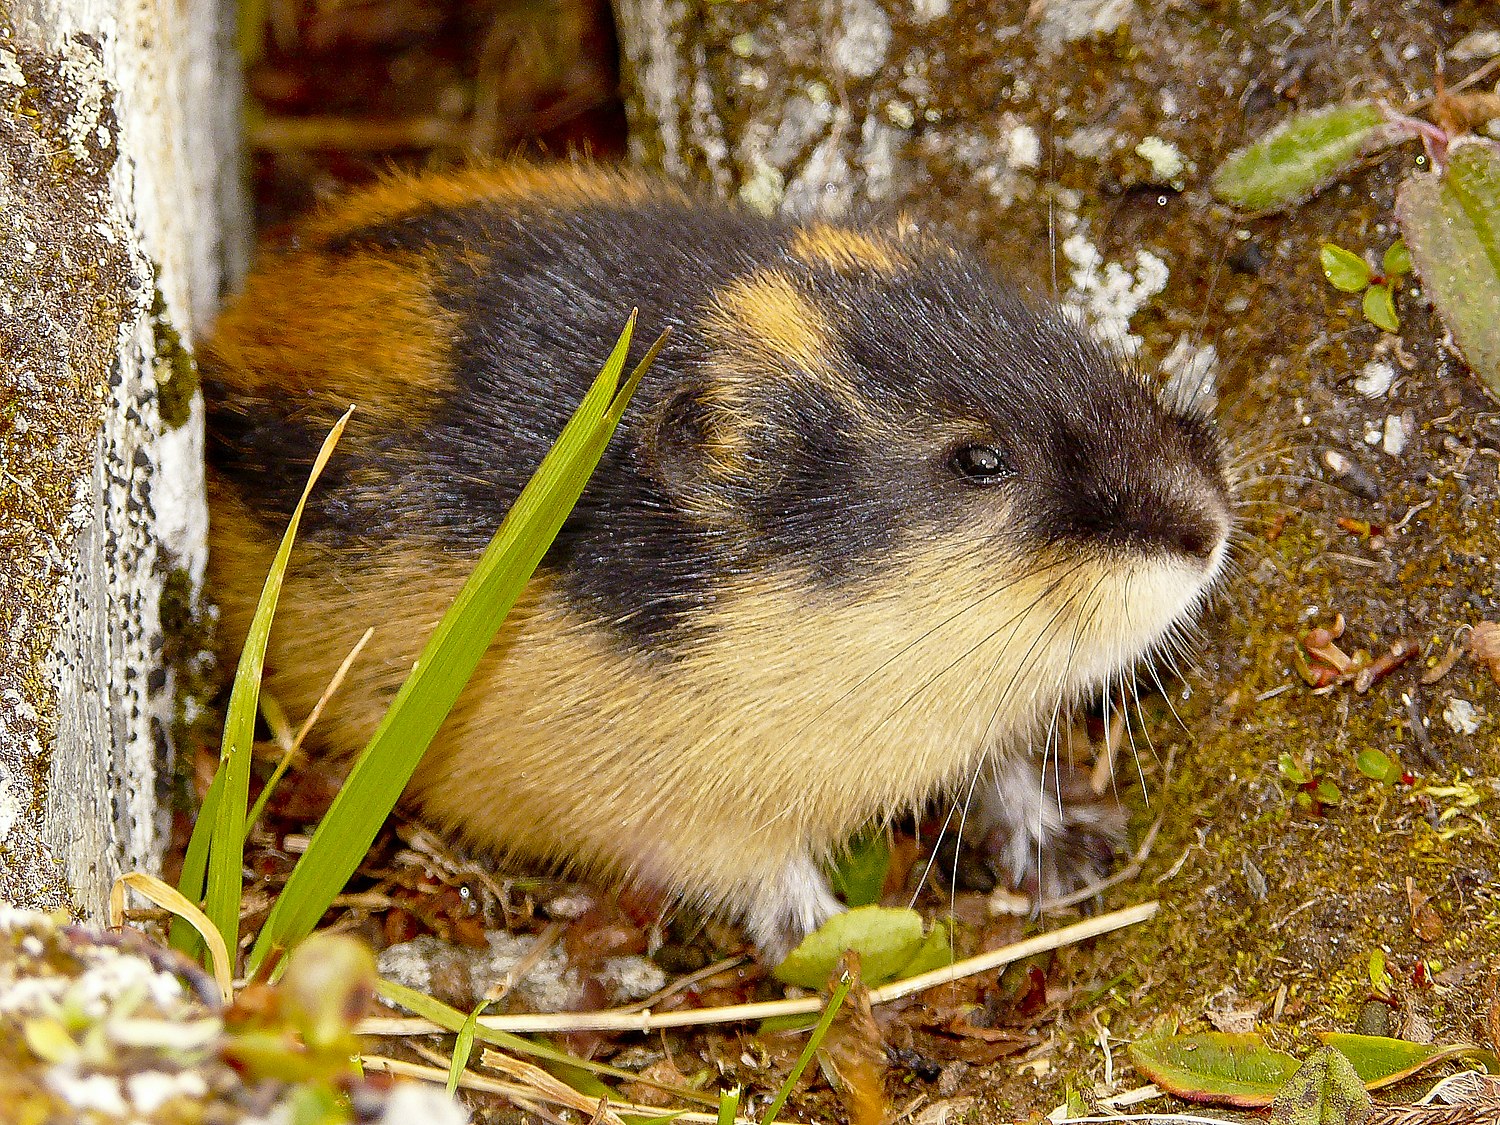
{"points": [[556, 185], [765, 312], [840, 248]]}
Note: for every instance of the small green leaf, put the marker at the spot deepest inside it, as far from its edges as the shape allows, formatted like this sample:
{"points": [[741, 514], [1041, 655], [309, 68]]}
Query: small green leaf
{"points": [[1397, 260], [1381, 1062], [1380, 310], [860, 874], [1344, 269], [1290, 769], [1327, 792], [885, 939], [935, 952], [1380, 976], [1377, 765], [1215, 1066], [49, 1041], [1451, 223], [1301, 155], [1324, 1091]]}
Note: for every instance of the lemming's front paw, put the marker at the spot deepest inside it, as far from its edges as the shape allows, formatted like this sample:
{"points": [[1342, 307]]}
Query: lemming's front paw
{"points": [[1043, 827], [788, 908]]}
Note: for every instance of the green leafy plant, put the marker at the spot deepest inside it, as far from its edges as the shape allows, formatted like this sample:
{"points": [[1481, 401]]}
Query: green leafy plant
{"points": [[1449, 216], [1239, 1069], [861, 871], [1347, 272], [1302, 155], [1451, 221], [1378, 765], [1381, 982], [891, 944], [1314, 791]]}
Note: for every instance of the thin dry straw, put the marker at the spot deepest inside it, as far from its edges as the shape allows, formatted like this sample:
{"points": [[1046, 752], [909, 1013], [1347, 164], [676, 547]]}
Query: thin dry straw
{"points": [[617, 1020]]}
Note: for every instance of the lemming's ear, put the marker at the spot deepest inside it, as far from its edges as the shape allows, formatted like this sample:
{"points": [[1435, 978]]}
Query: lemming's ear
{"points": [[705, 444], [688, 444]]}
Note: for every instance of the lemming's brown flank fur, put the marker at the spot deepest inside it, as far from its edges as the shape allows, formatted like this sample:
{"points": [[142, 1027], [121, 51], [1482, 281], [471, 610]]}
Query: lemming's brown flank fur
{"points": [[871, 522], [365, 330]]}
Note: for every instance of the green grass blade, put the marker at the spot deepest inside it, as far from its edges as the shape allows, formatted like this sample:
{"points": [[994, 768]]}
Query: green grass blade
{"points": [[729, 1106], [453, 1020], [222, 827], [184, 938], [450, 657], [814, 1041], [464, 1047]]}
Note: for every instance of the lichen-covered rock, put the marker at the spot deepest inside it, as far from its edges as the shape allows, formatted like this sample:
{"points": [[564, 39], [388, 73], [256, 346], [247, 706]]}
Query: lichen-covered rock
{"points": [[120, 220], [100, 1027]]}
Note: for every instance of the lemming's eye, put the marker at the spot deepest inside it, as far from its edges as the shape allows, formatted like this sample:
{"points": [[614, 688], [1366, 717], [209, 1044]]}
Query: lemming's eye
{"points": [[981, 464]]}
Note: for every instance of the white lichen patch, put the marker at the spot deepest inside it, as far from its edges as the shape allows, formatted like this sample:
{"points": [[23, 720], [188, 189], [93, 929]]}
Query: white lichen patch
{"points": [[1164, 158], [10, 71], [631, 978], [1483, 44], [464, 976], [1092, 142], [863, 38], [427, 1104], [84, 75], [1065, 21], [1396, 432], [152, 1089], [1461, 716], [1105, 295], [1375, 379], [925, 11], [96, 1093], [1023, 148]]}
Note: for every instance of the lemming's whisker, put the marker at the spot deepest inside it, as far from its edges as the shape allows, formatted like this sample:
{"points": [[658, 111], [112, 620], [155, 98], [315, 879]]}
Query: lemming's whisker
{"points": [[913, 645], [1017, 618], [980, 694], [1135, 754], [932, 857], [963, 819], [1106, 691]]}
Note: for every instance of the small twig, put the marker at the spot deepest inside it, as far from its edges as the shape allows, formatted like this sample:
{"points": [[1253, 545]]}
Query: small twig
{"points": [[527, 1095], [289, 753], [549, 1085], [618, 1020], [519, 971], [523, 1096], [683, 983]]}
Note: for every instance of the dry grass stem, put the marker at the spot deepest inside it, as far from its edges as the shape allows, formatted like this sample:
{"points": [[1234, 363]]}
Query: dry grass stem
{"points": [[625, 1020], [528, 1096], [553, 1088]]}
